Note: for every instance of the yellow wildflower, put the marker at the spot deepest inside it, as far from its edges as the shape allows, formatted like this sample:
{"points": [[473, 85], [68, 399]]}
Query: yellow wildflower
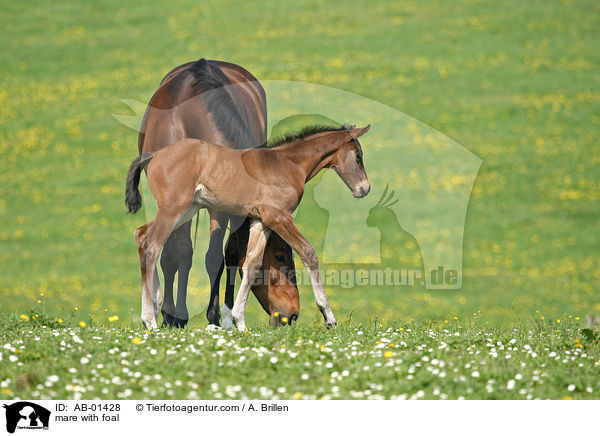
{"points": [[82, 324]]}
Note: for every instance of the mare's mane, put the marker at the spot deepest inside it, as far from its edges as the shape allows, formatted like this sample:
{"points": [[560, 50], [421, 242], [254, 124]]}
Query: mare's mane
{"points": [[210, 81]]}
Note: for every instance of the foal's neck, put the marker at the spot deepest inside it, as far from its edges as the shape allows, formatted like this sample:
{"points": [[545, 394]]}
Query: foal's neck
{"points": [[312, 155]]}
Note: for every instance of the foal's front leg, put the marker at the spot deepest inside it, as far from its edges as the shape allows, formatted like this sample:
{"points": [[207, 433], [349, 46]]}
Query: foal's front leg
{"points": [[259, 234], [284, 225]]}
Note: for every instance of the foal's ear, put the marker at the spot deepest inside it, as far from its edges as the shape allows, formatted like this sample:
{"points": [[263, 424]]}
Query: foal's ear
{"points": [[358, 132]]}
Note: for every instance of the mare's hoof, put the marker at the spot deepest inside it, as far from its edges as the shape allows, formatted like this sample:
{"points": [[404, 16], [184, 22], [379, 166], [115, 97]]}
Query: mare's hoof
{"points": [[213, 328], [331, 325], [172, 321], [213, 316]]}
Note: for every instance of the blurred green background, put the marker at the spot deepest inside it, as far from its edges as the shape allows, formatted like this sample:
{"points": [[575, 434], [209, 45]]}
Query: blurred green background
{"points": [[516, 83]]}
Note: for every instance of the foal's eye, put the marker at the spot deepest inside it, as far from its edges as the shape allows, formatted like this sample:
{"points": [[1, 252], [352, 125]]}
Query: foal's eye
{"points": [[358, 159], [280, 258]]}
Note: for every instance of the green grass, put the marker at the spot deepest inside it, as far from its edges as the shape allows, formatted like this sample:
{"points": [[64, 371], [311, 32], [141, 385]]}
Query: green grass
{"points": [[463, 359], [516, 83]]}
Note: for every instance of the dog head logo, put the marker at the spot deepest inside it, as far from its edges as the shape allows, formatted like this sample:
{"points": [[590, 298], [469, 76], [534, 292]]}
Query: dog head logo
{"points": [[26, 415]]}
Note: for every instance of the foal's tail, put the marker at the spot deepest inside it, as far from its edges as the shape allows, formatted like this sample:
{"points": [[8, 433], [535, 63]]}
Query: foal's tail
{"points": [[133, 198]]}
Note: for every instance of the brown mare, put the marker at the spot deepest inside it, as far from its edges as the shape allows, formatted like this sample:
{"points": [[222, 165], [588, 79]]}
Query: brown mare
{"points": [[221, 103], [265, 184]]}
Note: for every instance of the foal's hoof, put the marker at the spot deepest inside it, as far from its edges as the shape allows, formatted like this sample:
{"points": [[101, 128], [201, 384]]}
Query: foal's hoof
{"points": [[227, 323], [331, 325], [172, 321]]}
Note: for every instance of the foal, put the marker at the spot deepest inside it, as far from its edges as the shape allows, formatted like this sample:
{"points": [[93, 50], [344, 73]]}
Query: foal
{"points": [[265, 184]]}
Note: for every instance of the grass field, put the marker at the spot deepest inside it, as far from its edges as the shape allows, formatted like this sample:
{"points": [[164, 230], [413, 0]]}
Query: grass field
{"points": [[465, 359], [516, 83]]}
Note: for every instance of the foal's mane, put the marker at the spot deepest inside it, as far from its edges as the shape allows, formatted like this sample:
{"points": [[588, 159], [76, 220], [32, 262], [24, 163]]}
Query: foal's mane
{"points": [[303, 133], [210, 81]]}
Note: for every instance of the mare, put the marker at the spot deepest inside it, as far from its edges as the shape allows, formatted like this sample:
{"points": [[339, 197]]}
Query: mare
{"points": [[221, 103]]}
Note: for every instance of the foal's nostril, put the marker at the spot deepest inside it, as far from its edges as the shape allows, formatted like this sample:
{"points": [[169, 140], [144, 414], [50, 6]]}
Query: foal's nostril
{"points": [[293, 318]]}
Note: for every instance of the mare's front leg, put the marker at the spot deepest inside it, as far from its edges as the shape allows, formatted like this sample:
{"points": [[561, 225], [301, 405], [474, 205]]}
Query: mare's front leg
{"points": [[214, 262], [284, 225], [232, 257], [257, 240]]}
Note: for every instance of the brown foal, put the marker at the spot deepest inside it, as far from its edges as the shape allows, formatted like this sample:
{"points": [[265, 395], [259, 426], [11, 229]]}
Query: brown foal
{"points": [[265, 184]]}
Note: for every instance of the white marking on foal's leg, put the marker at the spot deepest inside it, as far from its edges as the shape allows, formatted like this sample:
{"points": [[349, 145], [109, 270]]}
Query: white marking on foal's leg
{"points": [[148, 313], [239, 306], [320, 296], [158, 294], [257, 240], [226, 318]]}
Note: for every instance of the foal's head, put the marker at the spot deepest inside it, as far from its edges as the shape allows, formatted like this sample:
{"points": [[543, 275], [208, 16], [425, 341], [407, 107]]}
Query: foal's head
{"points": [[348, 163]]}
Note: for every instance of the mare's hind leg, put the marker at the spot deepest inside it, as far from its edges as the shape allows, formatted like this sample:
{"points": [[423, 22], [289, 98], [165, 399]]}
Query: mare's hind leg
{"points": [[168, 263], [151, 238], [214, 262], [177, 258]]}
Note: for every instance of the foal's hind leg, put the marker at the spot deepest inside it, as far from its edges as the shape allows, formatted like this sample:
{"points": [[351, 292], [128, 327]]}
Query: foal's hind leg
{"points": [[151, 238], [140, 237]]}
